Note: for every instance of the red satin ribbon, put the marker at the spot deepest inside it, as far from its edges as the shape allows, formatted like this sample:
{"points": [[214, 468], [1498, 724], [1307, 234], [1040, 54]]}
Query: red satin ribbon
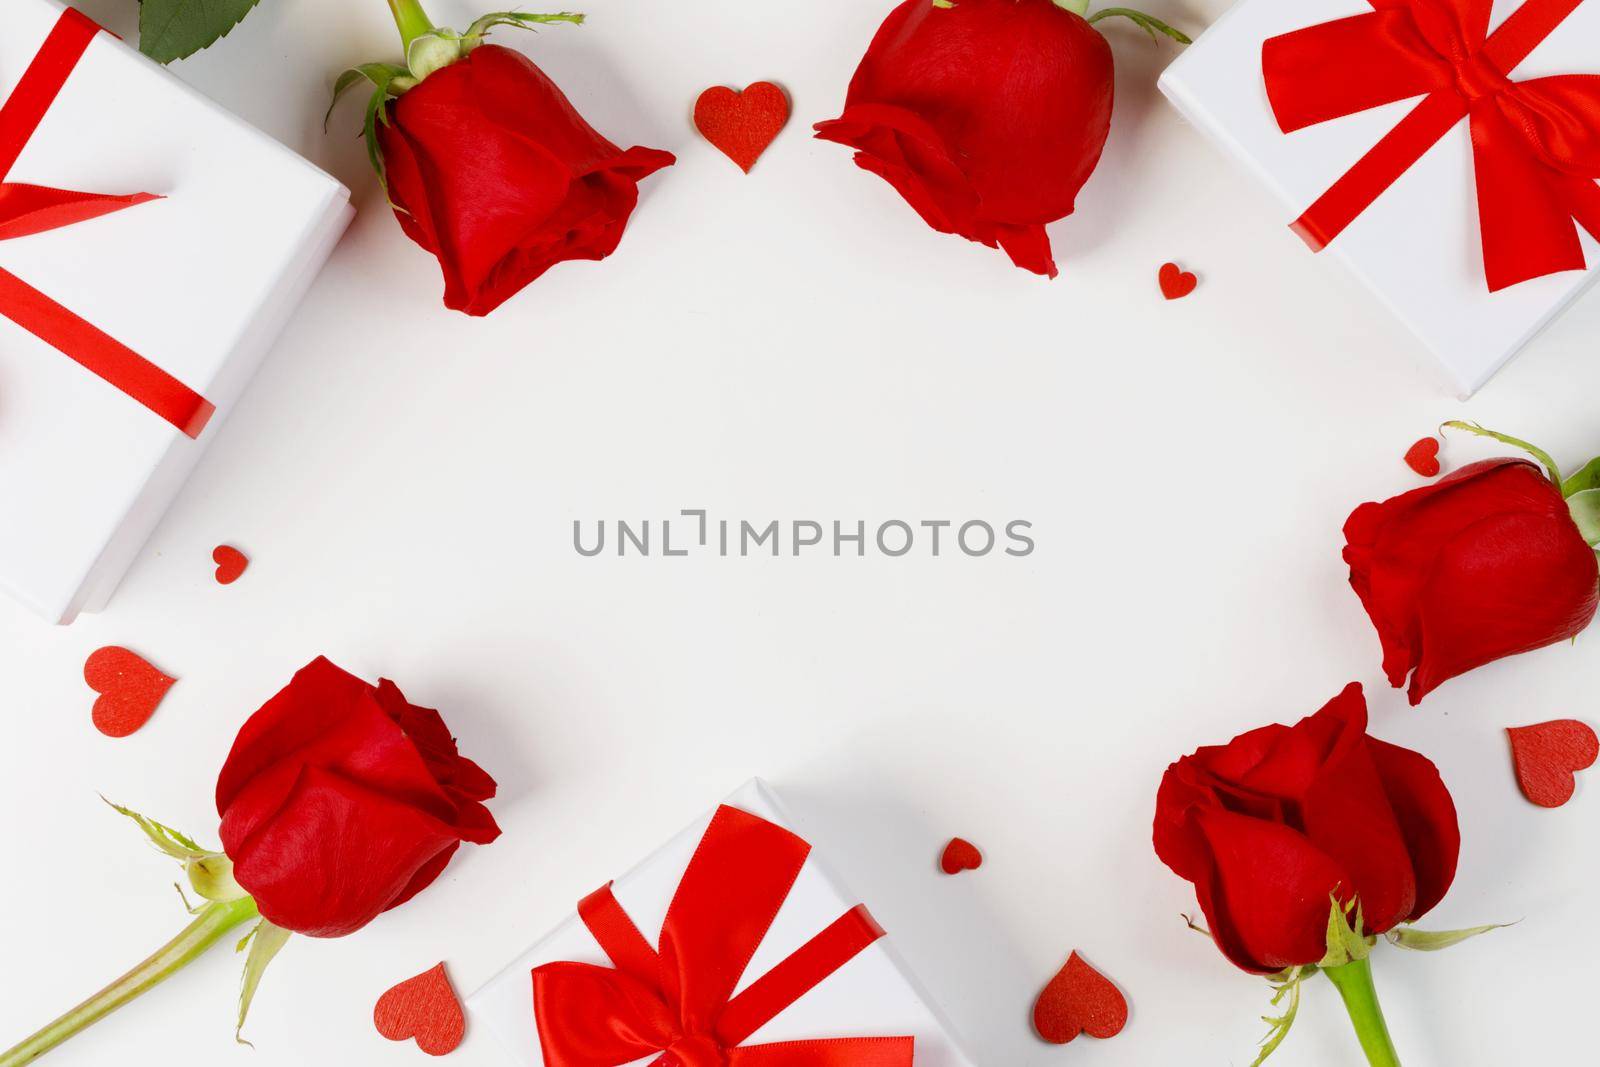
{"points": [[678, 1000], [30, 209], [1535, 144]]}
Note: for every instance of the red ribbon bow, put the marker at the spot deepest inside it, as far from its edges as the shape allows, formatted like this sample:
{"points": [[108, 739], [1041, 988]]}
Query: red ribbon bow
{"points": [[678, 1001], [31, 209], [1535, 144]]}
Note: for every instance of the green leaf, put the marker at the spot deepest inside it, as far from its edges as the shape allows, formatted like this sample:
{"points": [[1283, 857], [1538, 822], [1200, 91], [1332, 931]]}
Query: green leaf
{"points": [[1537, 453], [1434, 941], [165, 838], [1586, 478], [1148, 23], [175, 29], [265, 942]]}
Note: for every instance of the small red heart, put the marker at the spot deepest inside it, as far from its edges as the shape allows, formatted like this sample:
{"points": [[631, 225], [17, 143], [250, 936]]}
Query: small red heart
{"points": [[425, 1008], [1175, 283], [1079, 1000], [130, 690], [960, 855], [230, 563], [1423, 457], [1548, 755], [742, 124]]}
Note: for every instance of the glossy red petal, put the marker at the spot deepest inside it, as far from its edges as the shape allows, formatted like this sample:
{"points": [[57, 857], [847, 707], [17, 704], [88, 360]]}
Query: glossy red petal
{"points": [[337, 856]]}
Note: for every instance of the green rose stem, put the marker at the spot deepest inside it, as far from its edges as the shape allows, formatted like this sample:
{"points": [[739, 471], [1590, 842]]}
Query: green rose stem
{"points": [[1354, 982], [213, 923], [412, 20]]}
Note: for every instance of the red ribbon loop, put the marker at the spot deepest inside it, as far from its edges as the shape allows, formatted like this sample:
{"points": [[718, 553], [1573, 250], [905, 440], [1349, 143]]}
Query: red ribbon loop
{"points": [[677, 1001], [31, 209], [1535, 144]]}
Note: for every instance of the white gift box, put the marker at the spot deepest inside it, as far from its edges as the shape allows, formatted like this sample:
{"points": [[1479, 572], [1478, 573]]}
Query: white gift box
{"points": [[198, 283], [1418, 246], [873, 995]]}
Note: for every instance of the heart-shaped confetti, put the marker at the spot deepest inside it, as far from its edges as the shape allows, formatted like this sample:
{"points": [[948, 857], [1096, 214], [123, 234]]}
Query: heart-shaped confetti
{"points": [[230, 563], [425, 1009], [1547, 756], [1079, 1000], [1423, 457], [130, 690], [1175, 283], [960, 855], [742, 124]]}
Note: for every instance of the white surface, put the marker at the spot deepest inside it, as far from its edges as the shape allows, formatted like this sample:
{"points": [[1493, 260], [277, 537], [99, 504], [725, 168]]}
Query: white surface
{"points": [[872, 995], [85, 470], [797, 344], [1418, 246]]}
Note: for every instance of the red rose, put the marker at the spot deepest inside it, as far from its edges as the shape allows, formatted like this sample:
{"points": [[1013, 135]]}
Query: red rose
{"points": [[987, 116], [340, 800], [1484, 563], [492, 170], [1272, 825]]}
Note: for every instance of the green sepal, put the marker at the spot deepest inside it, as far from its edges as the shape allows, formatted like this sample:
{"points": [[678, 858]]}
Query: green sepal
{"points": [[1536, 452], [388, 80], [1436, 941], [1148, 23], [433, 52], [1347, 941], [265, 941], [1287, 984], [519, 19], [165, 838], [211, 876], [210, 873], [1586, 477], [381, 75], [944, 5], [1584, 507]]}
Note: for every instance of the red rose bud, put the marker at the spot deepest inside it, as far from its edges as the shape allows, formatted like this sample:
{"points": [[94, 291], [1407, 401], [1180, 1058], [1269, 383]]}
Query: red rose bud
{"points": [[1306, 842], [1271, 825], [487, 163], [339, 801], [986, 115], [1486, 562]]}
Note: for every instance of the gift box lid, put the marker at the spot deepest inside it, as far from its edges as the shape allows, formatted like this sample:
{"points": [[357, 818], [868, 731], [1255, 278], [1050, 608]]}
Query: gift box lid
{"points": [[874, 995], [198, 282], [1418, 246]]}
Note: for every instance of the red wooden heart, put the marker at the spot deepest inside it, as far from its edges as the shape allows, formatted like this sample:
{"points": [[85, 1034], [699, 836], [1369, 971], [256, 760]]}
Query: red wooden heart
{"points": [[1548, 755], [424, 1008], [960, 855], [1079, 1000], [742, 125], [1175, 283], [230, 563], [1423, 457], [130, 690]]}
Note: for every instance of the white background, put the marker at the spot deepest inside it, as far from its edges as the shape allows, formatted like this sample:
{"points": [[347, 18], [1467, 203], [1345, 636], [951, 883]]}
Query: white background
{"points": [[796, 344]]}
